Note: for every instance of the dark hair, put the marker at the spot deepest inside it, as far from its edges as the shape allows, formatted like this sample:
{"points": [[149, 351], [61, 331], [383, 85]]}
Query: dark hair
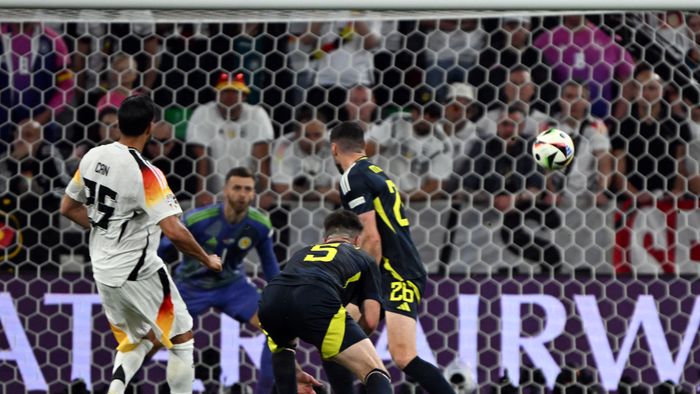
{"points": [[518, 68], [342, 222], [135, 115], [516, 108], [642, 67], [349, 137], [109, 110], [307, 113], [242, 172]]}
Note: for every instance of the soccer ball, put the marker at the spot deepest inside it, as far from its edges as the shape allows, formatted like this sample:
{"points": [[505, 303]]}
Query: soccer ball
{"points": [[553, 149]]}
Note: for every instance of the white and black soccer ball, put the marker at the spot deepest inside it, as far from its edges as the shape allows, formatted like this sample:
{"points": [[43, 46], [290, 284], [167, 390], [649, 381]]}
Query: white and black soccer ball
{"points": [[460, 378], [553, 149]]}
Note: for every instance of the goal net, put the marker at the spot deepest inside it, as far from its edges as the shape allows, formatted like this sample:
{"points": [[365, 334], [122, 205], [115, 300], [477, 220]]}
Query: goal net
{"points": [[581, 278]]}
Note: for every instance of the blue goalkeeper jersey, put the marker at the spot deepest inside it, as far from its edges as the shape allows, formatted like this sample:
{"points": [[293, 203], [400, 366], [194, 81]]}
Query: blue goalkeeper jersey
{"points": [[231, 241]]}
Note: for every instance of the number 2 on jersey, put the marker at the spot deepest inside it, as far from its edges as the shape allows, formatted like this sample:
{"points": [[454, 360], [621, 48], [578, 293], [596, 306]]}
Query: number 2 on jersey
{"points": [[401, 292], [402, 221], [105, 209], [326, 253]]}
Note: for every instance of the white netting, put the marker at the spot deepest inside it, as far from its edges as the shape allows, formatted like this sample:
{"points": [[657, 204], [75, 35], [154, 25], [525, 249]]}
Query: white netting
{"points": [[439, 94]]}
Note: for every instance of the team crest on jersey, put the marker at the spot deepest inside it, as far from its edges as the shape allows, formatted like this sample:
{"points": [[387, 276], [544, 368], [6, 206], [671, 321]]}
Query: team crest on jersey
{"points": [[244, 243], [172, 201]]}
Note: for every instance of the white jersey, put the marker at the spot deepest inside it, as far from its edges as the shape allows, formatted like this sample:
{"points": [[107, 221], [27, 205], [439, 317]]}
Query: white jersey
{"points": [[126, 198], [230, 142], [408, 158]]}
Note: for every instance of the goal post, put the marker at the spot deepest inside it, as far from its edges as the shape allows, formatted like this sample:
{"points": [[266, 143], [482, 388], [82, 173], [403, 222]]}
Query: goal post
{"points": [[589, 288]]}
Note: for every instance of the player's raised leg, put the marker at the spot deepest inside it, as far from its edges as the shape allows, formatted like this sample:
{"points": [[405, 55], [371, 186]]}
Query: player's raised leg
{"points": [[127, 362], [401, 336]]}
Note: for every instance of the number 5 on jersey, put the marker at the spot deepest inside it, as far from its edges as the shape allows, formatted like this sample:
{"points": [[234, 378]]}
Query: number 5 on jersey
{"points": [[323, 253], [105, 208]]}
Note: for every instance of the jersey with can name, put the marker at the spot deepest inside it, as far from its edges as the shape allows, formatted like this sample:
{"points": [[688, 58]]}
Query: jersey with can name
{"points": [[365, 187], [126, 198], [338, 267], [231, 241]]}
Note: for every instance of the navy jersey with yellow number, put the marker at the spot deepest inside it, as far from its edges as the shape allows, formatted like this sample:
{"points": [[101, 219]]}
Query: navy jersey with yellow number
{"points": [[338, 267], [365, 187]]}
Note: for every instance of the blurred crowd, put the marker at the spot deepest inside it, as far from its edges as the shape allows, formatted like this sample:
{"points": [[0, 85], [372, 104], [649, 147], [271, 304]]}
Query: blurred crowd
{"points": [[450, 108]]}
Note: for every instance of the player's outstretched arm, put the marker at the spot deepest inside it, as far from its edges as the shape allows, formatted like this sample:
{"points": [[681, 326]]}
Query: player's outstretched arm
{"points": [[75, 211], [183, 240], [370, 241]]}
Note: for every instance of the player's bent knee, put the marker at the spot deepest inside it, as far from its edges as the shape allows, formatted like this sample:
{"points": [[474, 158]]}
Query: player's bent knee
{"points": [[401, 356], [379, 372]]}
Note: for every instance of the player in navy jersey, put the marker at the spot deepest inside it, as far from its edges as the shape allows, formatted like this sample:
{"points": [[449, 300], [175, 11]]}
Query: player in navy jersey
{"points": [[231, 228], [307, 300], [366, 190]]}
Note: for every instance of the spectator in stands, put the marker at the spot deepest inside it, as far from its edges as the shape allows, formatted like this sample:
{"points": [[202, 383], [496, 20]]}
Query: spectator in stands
{"points": [[302, 166], [341, 54], [521, 91], [505, 169], [580, 50], [649, 146], [415, 151], [360, 107], [693, 55], [461, 113], [510, 45], [587, 178], [234, 133], [175, 160], [35, 177], [35, 79], [109, 125], [452, 48], [123, 75], [631, 88], [107, 131]]}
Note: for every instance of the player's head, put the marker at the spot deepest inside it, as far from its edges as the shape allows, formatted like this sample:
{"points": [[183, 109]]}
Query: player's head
{"points": [[342, 224], [136, 116], [347, 138], [239, 189]]}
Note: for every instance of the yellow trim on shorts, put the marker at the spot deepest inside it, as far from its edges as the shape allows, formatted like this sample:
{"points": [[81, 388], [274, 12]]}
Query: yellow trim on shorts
{"points": [[274, 348], [122, 338], [382, 214], [397, 276], [333, 339]]}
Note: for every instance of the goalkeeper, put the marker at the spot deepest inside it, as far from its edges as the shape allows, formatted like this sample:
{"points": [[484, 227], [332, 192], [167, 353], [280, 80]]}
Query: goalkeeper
{"points": [[230, 229]]}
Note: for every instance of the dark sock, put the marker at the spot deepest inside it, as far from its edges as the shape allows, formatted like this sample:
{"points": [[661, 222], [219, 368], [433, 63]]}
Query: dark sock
{"points": [[340, 378], [284, 370], [377, 382], [428, 376]]}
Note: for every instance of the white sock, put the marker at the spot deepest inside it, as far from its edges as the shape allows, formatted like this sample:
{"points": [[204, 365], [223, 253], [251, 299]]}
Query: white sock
{"points": [[129, 363], [180, 372]]}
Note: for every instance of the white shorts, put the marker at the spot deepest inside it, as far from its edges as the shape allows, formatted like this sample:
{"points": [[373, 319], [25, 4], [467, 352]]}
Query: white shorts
{"points": [[151, 303]]}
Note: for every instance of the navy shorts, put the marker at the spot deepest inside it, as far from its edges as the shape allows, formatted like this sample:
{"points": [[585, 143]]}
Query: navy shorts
{"points": [[311, 313]]}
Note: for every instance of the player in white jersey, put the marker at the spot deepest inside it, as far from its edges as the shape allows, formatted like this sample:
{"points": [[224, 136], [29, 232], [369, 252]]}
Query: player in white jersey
{"points": [[125, 201]]}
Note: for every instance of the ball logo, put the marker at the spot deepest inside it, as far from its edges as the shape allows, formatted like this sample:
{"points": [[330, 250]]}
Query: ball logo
{"points": [[244, 243]]}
